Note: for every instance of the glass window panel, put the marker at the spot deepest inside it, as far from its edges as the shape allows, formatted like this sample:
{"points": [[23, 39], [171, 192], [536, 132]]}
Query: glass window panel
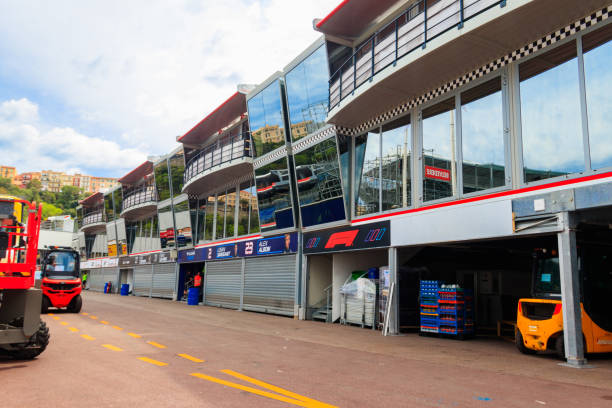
{"points": [[319, 184], [367, 173], [220, 232], [438, 157], [254, 212], [598, 81], [274, 196], [109, 208], [161, 181], [550, 114], [344, 148], [166, 227], [307, 89], [396, 142], [177, 170], [155, 232], [201, 219], [182, 217], [245, 203], [130, 230], [266, 119], [482, 136], [118, 200], [230, 213]]}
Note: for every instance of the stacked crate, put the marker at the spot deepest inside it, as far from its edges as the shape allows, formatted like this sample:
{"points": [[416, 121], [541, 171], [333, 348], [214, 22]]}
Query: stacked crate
{"points": [[455, 311], [429, 306]]}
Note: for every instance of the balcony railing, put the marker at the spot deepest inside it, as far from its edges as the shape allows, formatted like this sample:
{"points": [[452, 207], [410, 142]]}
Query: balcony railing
{"points": [[224, 151], [93, 218], [421, 23], [139, 196]]}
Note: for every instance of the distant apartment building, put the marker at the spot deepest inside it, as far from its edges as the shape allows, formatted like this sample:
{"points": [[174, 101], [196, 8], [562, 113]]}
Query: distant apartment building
{"points": [[22, 180], [8, 172], [54, 180]]}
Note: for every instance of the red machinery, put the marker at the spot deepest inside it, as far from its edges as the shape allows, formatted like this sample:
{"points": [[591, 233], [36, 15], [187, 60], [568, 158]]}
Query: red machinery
{"points": [[22, 334], [61, 280]]}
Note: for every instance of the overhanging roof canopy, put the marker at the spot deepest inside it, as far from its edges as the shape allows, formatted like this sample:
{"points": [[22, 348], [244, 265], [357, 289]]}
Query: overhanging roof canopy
{"points": [[218, 119], [92, 199], [138, 173], [352, 17]]}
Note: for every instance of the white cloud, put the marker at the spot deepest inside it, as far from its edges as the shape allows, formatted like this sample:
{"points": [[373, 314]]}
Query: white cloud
{"points": [[150, 70], [31, 145]]}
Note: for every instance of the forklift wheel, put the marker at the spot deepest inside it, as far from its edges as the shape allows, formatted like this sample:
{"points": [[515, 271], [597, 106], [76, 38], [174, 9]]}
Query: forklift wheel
{"points": [[44, 309], [75, 304], [520, 345], [36, 345]]}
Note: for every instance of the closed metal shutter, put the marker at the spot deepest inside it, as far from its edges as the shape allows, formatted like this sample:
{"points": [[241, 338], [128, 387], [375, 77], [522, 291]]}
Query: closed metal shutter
{"points": [[269, 284], [95, 280], [164, 280], [142, 280], [111, 275], [223, 282]]}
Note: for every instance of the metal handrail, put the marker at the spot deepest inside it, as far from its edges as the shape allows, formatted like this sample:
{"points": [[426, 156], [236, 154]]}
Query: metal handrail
{"points": [[139, 196], [413, 29], [93, 217], [223, 151]]}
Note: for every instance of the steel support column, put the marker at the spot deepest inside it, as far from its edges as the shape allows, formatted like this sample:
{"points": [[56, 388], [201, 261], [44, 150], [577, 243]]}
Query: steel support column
{"points": [[570, 292], [394, 310]]}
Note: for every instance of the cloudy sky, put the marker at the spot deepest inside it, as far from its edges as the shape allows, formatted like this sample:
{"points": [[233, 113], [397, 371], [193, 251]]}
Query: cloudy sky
{"points": [[96, 86]]}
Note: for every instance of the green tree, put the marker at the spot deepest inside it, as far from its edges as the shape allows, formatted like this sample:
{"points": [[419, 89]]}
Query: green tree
{"points": [[49, 210], [34, 185]]}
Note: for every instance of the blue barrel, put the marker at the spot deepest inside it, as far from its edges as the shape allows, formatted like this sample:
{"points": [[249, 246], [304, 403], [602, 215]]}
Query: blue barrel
{"points": [[193, 296], [373, 273], [125, 289], [106, 287]]}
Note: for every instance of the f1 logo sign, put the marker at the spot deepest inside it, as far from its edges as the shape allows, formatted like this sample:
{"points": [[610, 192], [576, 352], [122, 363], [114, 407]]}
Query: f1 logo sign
{"points": [[345, 238]]}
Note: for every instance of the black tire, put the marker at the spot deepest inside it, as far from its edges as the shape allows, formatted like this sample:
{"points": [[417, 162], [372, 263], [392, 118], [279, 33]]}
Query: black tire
{"points": [[75, 304], [520, 344], [560, 347], [46, 303], [36, 345]]}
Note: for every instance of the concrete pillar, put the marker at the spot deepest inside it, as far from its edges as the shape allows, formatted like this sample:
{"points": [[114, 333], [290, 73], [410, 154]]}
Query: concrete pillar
{"points": [[570, 292], [394, 311]]}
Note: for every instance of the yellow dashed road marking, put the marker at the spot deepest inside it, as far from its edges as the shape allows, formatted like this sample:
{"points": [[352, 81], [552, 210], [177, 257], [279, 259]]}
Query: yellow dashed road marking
{"points": [[136, 336], [192, 358], [154, 344], [276, 389], [93, 317], [260, 392], [55, 317], [64, 323], [74, 330], [86, 337], [84, 313], [103, 322], [111, 347], [117, 327], [50, 314], [151, 361]]}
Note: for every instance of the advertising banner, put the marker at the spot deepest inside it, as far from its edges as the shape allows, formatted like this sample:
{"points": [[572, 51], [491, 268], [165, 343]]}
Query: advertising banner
{"points": [[375, 235], [280, 244]]}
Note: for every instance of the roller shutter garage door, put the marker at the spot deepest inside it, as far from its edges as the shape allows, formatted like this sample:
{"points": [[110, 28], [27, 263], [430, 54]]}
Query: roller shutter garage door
{"points": [[269, 285], [164, 280], [111, 275], [143, 275], [96, 280], [223, 283]]}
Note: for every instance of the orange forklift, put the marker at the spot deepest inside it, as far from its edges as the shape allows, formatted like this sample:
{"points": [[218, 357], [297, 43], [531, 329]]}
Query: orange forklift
{"points": [[539, 321], [61, 280]]}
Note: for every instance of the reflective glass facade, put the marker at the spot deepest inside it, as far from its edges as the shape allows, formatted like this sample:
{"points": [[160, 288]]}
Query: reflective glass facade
{"points": [[274, 196], [307, 102], [367, 173], [166, 227], [162, 181], [266, 119], [177, 169], [182, 217], [319, 184]]}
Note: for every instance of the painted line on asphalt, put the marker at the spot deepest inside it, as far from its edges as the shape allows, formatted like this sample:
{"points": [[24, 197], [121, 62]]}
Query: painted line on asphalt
{"points": [[154, 344], [64, 323], [111, 347], [103, 322], [50, 314], [93, 317], [191, 358], [256, 391], [117, 328], [136, 336], [276, 389], [151, 361], [55, 317], [73, 329], [87, 337], [84, 313]]}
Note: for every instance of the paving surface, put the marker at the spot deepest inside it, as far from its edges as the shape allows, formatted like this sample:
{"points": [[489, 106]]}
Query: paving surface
{"points": [[123, 351]]}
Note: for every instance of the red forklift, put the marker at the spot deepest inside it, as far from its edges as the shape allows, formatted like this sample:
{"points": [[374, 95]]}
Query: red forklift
{"points": [[61, 280], [23, 335]]}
